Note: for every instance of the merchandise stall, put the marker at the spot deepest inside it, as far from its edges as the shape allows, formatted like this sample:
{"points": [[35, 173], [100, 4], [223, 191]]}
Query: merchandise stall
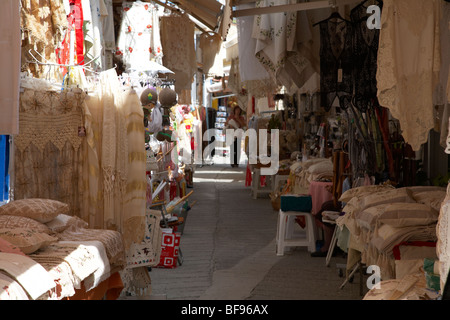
{"points": [[109, 96], [363, 128], [97, 152]]}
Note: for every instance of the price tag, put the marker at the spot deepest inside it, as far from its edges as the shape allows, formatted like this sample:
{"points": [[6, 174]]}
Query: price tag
{"points": [[81, 131]]}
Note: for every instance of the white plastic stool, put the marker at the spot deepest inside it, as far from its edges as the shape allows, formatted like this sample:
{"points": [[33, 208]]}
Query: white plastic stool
{"points": [[277, 179], [285, 230]]}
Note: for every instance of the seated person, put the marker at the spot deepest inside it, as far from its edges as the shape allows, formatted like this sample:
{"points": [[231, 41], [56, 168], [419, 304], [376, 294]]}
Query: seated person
{"points": [[327, 228]]}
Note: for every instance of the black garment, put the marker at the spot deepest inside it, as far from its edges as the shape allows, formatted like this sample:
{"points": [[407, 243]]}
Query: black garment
{"points": [[235, 152], [336, 62], [365, 54]]}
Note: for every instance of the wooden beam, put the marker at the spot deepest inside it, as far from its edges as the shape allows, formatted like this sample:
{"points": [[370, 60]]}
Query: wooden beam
{"points": [[177, 9], [188, 8], [239, 2], [291, 7]]}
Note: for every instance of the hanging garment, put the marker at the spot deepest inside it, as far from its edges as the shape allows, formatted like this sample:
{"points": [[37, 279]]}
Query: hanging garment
{"points": [[408, 64], [10, 66], [177, 39], [95, 12], [43, 23], [365, 53], [109, 35], [74, 10], [249, 67], [115, 152], [47, 157], [275, 45], [254, 76], [336, 62], [210, 46], [108, 27], [138, 40], [442, 94]]}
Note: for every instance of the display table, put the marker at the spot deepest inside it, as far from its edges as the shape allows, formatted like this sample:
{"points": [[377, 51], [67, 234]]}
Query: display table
{"points": [[319, 194]]}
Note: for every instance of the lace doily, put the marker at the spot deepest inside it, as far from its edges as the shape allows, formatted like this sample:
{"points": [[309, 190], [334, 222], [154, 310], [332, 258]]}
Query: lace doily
{"points": [[177, 39]]}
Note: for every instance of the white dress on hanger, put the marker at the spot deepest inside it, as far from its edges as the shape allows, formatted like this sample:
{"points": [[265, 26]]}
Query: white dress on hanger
{"points": [[139, 41]]}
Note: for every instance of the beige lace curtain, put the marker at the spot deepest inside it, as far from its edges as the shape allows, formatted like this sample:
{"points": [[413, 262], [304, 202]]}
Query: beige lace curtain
{"points": [[177, 40], [47, 162], [114, 149], [100, 174]]}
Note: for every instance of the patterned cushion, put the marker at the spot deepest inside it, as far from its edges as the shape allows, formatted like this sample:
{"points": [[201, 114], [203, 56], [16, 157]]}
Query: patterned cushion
{"points": [[8, 247], [13, 222], [42, 210], [63, 222], [28, 241], [388, 196]]}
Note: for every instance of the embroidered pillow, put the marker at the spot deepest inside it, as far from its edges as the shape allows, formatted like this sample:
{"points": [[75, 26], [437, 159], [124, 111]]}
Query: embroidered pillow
{"points": [[13, 222], [388, 196], [363, 191], [28, 241], [63, 222], [408, 215], [368, 218], [432, 199], [8, 247], [42, 210]]}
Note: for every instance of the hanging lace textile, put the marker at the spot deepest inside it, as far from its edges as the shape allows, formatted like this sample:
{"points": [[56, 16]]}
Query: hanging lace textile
{"points": [[442, 94], [336, 62], [365, 53], [408, 64], [254, 77], [275, 45], [138, 40], [94, 14], [109, 35], [134, 180], [114, 175], [47, 151], [10, 66], [308, 43], [177, 39], [210, 47], [43, 23]]}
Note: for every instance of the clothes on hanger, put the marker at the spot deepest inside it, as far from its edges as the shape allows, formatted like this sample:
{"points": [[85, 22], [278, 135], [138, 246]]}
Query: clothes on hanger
{"points": [[177, 39], [336, 61], [365, 53], [139, 40]]}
